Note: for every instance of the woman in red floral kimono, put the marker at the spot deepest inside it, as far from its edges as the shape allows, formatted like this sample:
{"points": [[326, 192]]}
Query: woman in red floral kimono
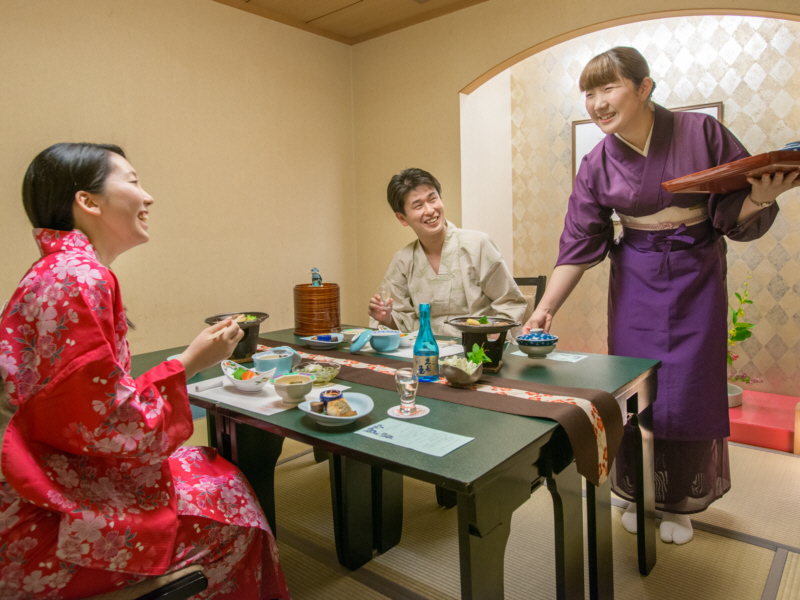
{"points": [[95, 490]]}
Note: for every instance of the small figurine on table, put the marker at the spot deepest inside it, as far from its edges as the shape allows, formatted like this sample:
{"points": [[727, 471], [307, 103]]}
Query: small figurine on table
{"points": [[316, 278]]}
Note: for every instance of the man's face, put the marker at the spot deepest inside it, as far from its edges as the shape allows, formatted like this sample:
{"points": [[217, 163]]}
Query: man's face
{"points": [[424, 212]]}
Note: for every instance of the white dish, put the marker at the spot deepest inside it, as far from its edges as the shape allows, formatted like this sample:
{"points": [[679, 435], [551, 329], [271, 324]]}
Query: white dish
{"points": [[361, 403], [293, 387], [407, 339], [313, 342], [249, 386], [352, 333]]}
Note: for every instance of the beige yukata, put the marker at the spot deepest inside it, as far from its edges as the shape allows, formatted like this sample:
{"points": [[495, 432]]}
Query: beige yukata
{"points": [[473, 280]]}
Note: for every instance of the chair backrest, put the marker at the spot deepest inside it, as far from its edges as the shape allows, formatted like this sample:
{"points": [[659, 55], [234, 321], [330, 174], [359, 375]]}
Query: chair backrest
{"points": [[180, 589], [178, 585], [540, 283]]}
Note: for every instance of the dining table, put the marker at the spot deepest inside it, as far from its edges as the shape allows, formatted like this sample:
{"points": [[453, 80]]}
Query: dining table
{"points": [[486, 480]]}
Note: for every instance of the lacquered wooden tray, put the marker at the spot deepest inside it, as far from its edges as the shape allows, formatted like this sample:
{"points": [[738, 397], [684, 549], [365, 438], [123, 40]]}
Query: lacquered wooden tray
{"points": [[733, 176]]}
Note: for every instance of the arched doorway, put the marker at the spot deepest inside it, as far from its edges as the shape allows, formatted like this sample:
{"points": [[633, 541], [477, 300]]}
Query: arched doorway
{"points": [[745, 62]]}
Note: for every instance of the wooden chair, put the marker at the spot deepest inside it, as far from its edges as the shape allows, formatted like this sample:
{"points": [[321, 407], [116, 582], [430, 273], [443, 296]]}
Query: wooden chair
{"points": [[180, 585], [540, 282]]}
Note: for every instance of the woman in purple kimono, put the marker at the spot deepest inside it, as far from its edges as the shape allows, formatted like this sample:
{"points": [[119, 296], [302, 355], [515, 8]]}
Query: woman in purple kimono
{"points": [[667, 289]]}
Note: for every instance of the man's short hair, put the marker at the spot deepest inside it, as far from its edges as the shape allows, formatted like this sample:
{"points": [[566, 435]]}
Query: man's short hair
{"points": [[402, 183]]}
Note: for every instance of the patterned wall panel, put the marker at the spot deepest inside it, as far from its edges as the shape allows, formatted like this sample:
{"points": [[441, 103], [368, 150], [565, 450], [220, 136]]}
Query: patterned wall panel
{"points": [[747, 63]]}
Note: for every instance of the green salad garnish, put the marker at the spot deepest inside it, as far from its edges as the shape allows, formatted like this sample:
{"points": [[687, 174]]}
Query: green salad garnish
{"points": [[477, 355]]}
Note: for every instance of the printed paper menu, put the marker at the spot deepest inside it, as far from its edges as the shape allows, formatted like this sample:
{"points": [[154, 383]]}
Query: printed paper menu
{"points": [[415, 437]]}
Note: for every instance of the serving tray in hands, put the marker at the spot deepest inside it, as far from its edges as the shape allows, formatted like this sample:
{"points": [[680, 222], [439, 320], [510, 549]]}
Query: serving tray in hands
{"points": [[732, 176]]}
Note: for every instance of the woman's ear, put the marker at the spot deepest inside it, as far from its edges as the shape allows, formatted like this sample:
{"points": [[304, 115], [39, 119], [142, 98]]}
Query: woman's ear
{"points": [[646, 88], [85, 202]]}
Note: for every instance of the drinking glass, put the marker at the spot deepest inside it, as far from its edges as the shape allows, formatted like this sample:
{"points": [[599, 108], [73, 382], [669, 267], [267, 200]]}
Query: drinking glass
{"points": [[407, 382], [384, 293]]}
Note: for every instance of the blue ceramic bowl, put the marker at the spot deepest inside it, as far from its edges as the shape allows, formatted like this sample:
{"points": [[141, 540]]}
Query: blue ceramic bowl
{"points": [[537, 339], [537, 344], [385, 340], [280, 360]]}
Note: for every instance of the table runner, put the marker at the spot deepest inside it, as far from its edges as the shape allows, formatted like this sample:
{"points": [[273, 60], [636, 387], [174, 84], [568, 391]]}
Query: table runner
{"points": [[591, 418]]}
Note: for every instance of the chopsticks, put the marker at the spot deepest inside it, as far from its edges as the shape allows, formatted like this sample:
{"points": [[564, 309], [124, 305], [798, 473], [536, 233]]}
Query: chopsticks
{"points": [[216, 334]]}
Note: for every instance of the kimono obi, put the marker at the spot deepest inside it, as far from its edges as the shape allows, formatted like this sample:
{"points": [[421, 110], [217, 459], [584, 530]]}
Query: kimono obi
{"points": [[671, 217], [700, 238]]}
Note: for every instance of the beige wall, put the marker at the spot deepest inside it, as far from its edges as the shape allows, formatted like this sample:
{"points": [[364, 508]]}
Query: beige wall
{"points": [[755, 80], [486, 162], [406, 87], [406, 113], [249, 133], [241, 128]]}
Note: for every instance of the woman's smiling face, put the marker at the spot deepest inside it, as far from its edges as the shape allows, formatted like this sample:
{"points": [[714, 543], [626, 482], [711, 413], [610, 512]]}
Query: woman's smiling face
{"points": [[124, 206], [618, 106]]}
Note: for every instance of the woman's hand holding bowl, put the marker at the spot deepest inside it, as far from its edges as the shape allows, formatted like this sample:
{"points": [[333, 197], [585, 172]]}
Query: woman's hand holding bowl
{"points": [[212, 346], [540, 319]]}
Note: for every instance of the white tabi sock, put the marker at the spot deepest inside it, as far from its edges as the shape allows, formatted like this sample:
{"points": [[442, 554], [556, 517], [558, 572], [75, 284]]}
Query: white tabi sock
{"points": [[676, 528], [629, 518]]}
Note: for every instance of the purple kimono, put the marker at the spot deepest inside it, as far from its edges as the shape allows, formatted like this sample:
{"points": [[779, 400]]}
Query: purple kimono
{"points": [[667, 293]]}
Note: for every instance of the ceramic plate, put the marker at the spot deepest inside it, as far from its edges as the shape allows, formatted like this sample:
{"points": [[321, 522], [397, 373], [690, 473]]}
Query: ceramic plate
{"points": [[313, 342], [361, 403]]}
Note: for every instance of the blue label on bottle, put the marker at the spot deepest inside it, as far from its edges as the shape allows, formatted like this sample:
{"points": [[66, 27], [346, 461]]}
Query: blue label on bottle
{"points": [[426, 366]]}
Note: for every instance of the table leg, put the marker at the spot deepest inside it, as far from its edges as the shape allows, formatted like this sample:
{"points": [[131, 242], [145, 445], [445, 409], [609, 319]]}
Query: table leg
{"points": [[484, 523], [642, 426], [320, 455], [446, 498], [565, 489], [598, 525], [219, 435], [256, 451], [351, 495], [387, 508]]}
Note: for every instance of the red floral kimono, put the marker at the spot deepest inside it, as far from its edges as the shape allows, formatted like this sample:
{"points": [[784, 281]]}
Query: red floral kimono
{"points": [[95, 491]]}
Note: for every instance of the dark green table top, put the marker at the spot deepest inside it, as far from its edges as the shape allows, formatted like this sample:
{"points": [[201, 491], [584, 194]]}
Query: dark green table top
{"points": [[500, 438], [597, 371]]}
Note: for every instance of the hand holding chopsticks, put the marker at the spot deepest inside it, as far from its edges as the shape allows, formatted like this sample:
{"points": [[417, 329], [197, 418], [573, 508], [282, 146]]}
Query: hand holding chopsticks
{"points": [[215, 335], [213, 345]]}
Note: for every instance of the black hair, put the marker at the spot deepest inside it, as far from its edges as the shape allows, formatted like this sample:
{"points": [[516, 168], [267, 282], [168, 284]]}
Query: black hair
{"points": [[402, 183], [60, 172]]}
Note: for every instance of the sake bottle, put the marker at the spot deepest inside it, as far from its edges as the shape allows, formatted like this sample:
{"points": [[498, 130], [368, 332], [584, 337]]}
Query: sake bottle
{"points": [[426, 350]]}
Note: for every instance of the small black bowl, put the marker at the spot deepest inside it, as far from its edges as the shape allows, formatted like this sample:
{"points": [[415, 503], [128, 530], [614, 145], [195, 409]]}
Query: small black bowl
{"points": [[247, 345]]}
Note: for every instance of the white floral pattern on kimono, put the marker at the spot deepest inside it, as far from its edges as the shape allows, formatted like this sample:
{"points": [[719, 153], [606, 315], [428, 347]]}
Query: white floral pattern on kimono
{"points": [[92, 455]]}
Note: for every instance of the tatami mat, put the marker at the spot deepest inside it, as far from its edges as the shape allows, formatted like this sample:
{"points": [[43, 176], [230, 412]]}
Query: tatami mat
{"points": [[292, 448], [790, 583], [764, 500], [199, 436], [309, 578], [425, 563]]}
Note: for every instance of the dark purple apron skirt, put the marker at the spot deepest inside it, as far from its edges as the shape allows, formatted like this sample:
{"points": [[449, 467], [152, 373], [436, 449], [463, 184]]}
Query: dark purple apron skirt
{"points": [[668, 301]]}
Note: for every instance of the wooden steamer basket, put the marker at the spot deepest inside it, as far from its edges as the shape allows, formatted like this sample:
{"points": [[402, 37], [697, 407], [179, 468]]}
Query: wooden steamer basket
{"points": [[316, 309]]}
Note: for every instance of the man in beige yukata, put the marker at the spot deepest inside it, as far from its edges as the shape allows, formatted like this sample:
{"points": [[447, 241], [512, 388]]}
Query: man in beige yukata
{"points": [[459, 272]]}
